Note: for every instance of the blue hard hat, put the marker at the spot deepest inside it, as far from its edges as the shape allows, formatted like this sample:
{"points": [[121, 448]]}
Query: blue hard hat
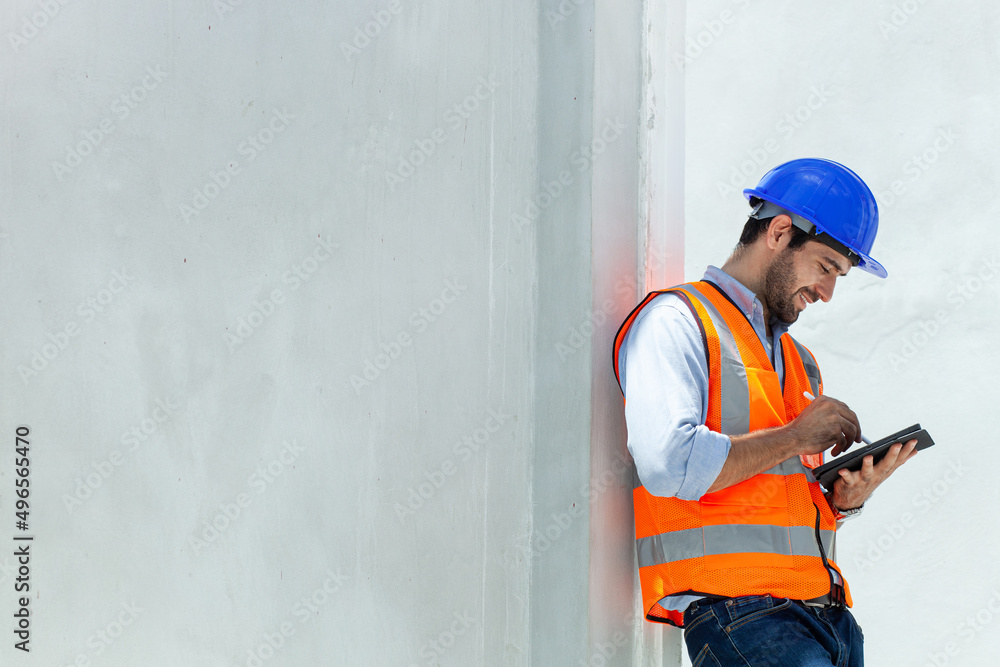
{"points": [[831, 197]]}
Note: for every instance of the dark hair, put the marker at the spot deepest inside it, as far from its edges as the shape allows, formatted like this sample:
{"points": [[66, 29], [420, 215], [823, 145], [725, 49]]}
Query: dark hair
{"points": [[755, 228]]}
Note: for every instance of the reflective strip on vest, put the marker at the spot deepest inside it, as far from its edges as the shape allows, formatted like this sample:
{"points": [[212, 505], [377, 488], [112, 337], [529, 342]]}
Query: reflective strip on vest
{"points": [[731, 539], [791, 467], [734, 395], [811, 370]]}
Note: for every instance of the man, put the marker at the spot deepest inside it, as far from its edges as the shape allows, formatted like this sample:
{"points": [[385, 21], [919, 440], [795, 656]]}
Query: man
{"points": [[735, 538]]}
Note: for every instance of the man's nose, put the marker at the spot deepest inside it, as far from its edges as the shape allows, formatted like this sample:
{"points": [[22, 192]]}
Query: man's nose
{"points": [[824, 288]]}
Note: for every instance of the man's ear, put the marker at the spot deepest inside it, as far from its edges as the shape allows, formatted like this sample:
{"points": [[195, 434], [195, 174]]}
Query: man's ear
{"points": [[779, 232]]}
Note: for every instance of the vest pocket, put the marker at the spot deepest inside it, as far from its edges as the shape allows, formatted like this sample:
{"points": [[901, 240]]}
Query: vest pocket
{"points": [[759, 491]]}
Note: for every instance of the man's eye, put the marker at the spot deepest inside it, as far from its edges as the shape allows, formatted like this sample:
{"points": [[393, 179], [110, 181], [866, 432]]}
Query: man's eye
{"points": [[825, 270]]}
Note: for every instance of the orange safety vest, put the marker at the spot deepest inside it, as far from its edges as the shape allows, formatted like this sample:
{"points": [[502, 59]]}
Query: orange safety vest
{"points": [[772, 534]]}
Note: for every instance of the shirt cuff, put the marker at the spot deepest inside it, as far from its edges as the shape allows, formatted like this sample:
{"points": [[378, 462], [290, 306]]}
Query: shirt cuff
{"points": [[708, 454]]}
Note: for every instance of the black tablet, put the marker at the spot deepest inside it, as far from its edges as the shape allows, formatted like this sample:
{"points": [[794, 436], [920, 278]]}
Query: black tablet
{"points": [[827, 473]]}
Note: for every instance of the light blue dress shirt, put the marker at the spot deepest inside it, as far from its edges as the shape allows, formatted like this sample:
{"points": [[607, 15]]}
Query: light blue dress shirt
{"points": [[664, 375]]}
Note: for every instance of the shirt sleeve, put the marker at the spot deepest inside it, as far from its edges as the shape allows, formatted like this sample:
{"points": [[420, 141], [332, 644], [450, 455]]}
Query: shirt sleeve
{"points": [[665, 381]]}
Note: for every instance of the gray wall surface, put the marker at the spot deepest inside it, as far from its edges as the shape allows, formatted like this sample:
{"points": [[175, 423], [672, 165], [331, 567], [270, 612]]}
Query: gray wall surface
{"points": [[309, 314]]}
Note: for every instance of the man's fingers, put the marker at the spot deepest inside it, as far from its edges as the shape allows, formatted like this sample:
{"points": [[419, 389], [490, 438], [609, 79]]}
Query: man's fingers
{"points": [[842, 441], [853, 419], [891, 456], [906, 452], [897, 455], [848, 416], [849, 430], [868, 468]]}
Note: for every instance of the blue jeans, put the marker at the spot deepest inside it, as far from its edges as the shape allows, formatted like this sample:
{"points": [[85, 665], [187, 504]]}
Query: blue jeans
{"points": [[760, 630]]}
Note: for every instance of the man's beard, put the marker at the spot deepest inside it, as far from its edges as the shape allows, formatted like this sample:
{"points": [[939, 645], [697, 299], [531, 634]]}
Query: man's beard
{"points": [[779, 294]]}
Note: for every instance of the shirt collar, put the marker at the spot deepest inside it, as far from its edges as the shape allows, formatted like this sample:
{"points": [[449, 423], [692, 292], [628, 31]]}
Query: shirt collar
{"points": [[746, 300]]}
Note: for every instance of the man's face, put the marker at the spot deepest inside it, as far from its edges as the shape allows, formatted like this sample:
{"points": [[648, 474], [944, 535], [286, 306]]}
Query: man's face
{"points": [[801, 276]]}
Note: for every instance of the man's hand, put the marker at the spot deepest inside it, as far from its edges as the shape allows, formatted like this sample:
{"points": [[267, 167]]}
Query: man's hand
{"points": [[824, 423], [854, 488]]}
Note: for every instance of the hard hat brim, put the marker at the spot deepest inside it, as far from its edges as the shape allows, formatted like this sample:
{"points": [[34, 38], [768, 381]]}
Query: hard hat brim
{"points": [[871, 266]]}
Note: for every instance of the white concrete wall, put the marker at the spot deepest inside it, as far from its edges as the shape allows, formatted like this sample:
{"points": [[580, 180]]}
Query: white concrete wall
{"points": [[302, 390], [905, 93]]}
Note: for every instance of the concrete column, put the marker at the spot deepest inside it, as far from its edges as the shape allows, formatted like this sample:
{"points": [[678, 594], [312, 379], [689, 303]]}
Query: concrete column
{"points": [[605, 131]]}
